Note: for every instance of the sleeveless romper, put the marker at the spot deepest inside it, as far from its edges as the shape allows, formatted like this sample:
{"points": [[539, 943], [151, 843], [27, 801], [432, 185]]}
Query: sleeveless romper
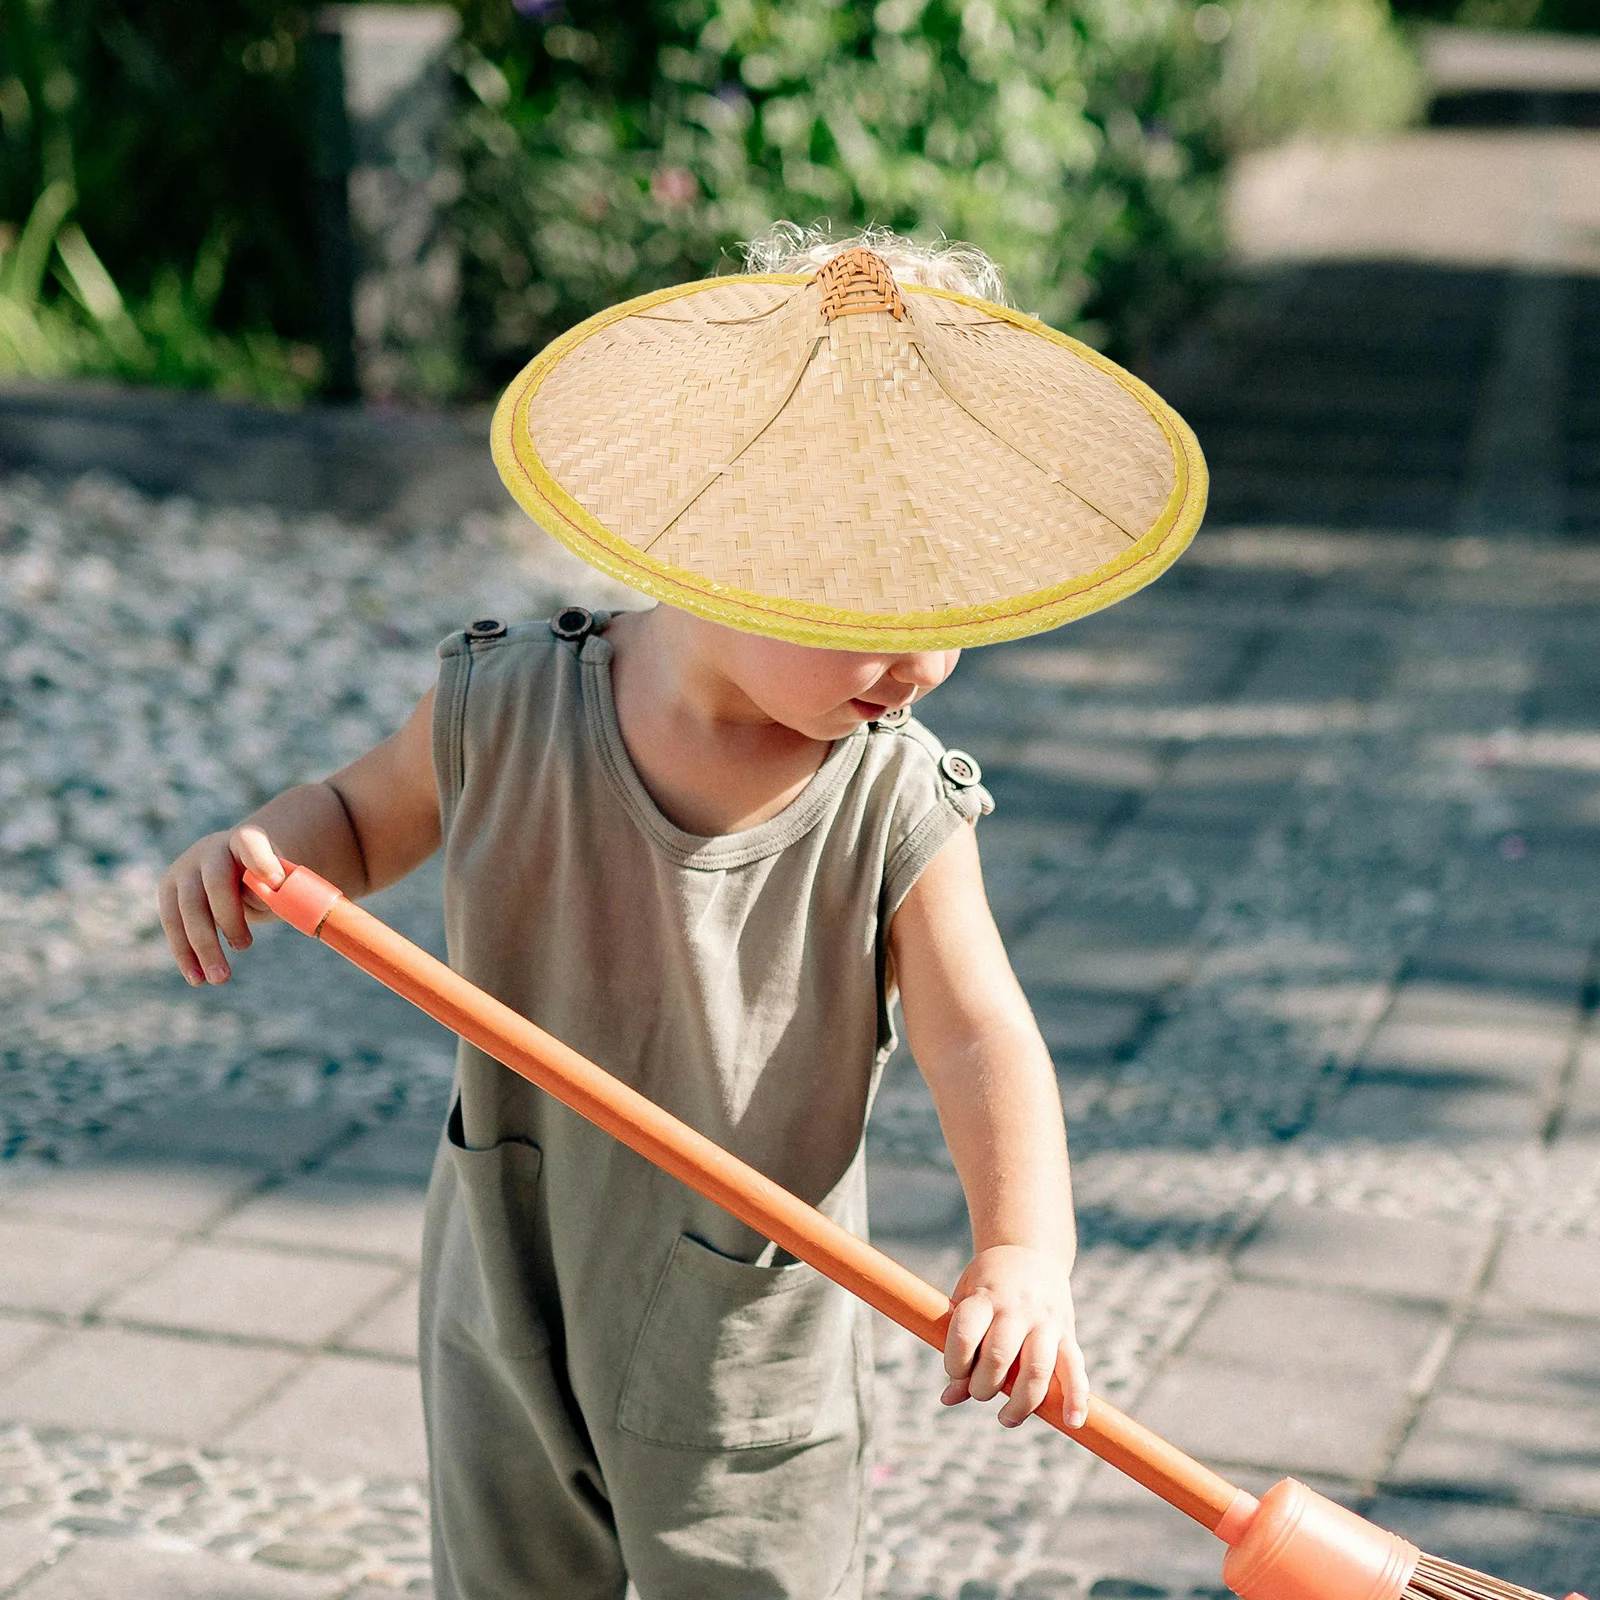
{"points": [[620, 1380]]}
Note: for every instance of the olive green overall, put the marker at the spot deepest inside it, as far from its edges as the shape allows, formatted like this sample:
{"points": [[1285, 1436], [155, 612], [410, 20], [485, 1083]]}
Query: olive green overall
{"points": [[620, 1380]]}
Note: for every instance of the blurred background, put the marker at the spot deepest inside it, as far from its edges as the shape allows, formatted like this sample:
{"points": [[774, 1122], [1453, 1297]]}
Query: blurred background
{"points": [[167, 175], [1297, 851]]}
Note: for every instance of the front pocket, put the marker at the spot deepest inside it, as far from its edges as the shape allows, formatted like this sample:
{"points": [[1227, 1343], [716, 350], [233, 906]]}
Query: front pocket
{"points": [[486, 1276], [733, 1356]]}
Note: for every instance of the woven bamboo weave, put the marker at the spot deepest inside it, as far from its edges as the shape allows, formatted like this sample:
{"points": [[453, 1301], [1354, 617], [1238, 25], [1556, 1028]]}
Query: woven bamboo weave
{"points": [[841, 460]]}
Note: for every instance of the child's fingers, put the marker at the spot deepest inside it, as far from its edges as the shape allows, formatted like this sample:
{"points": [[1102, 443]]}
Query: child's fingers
{"points": [[220, 876], [195, 911], [969, 1322], [1074, 1382], [1036, 1365], [251, 848], [1001, 1346], [177, 939]]}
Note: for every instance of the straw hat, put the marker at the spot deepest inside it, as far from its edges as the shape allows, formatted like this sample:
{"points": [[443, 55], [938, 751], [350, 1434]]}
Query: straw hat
{"points": [[841, 460]]}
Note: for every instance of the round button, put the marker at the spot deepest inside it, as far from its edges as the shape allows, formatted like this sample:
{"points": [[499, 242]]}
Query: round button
{"points": [[960, 768], [896, 718], [486, 628], [573, 622]]}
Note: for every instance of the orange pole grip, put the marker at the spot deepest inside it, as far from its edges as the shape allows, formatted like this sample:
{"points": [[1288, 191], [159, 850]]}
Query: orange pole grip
{"points": [[317, 908]]}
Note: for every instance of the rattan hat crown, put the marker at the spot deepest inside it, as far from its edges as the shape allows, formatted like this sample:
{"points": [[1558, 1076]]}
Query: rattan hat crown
{"points": [[841, 460]]}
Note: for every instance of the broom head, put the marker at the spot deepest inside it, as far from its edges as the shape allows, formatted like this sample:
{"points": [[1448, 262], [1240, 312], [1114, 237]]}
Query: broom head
{"points": [[1302, 1546]]}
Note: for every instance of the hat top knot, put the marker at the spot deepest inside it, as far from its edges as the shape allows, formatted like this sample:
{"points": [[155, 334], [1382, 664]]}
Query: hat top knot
{"points": [[859, 280]]}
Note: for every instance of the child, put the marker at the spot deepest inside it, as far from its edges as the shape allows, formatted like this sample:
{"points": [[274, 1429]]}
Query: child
{"points": [[705, 845]]}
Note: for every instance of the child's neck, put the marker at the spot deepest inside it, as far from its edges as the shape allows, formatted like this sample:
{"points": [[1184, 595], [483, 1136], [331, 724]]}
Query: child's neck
{"points": [[711, 759]]}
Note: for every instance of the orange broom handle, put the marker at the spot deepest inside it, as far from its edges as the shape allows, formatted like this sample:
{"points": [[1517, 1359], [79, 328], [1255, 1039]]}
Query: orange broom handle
{"points": [[317, 908]]}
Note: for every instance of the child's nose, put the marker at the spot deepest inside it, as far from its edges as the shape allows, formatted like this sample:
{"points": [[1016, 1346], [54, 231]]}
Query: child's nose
{"points": [[926, 669]]}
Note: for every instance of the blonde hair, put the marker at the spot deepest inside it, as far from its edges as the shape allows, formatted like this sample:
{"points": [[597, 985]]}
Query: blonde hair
{"points": [[963, 268]]}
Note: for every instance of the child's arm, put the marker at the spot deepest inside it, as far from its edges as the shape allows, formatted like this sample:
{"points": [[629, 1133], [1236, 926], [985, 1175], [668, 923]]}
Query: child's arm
{"points": [[974, 1037], [369, 824]]}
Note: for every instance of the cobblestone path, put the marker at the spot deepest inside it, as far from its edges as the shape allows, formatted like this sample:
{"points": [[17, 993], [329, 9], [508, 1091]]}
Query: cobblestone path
{"points": [[1295, 853]]}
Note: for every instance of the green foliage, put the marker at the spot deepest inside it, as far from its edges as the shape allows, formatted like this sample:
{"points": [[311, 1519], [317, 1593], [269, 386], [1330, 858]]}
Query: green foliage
{"points": [[1574, 16], [614, 145], [88, 329], [1080, 142], [174, 122], [174, 134]]}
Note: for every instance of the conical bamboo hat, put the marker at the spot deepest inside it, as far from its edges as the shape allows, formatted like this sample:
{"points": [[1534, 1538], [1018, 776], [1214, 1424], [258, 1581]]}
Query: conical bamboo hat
{"points": [[840, 460]]}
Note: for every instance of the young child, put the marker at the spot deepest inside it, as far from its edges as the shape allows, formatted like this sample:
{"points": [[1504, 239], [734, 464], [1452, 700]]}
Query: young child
{"points": [[706, 845]]}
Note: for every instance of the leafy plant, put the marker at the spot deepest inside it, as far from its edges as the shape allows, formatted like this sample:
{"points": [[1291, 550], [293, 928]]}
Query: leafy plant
{"points": [[1575, 16], [169, 338], [174, 123], [1081, 142]]}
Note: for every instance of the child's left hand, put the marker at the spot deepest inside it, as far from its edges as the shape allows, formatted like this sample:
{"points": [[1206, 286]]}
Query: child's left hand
{"points": [[1013, 1306]]}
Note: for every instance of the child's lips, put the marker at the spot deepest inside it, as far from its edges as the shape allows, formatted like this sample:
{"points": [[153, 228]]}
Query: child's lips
{"points": [[870, 709]]}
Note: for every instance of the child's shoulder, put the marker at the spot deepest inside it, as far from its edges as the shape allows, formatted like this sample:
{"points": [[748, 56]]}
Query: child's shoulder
{"points": [[909, 754], [567, 627]]}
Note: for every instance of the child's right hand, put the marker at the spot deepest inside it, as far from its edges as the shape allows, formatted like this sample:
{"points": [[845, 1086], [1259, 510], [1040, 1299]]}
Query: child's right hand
{"points": [[202, 896]]}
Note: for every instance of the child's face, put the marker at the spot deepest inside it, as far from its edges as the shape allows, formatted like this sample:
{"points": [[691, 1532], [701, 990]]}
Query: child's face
{"points": [[825, 694]]}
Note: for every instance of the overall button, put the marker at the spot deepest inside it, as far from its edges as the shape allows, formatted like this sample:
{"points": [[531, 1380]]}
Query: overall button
{"points": [[571, 623], [894, 719], [486, 628], [961, 769]]}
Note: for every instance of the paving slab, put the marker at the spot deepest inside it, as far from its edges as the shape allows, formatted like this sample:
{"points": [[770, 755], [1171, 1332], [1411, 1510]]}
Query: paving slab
{"points": [[402, 1150], [1443, 1104], [1316, 1333], [55, 1267], [22, 1337], [906, 1201], [1414, 1258], [1290, 1422], [1069, 957], [94, 1571], [391, 1330], [1074, 1026], [1582, 1113], [342, 1414], [255, 1292], [336, 1214], [1556, 1362], [166, 1197], [123, 1381], [1541, 1455], [270, 1136], [1110, 767], [1518, 966], [1547, 1272], [1528, 199], [1488, 1042], [23, 1548]]}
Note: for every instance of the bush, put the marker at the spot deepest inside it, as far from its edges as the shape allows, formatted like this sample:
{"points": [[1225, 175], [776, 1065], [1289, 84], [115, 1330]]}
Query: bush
{"points": [[1575, 16], [169, 338], [174, 138], [613, 148]]}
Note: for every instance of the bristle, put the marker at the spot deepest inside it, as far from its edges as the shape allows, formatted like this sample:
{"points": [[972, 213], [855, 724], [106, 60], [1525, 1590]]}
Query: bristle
{"points": [[1444, 1580]]}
